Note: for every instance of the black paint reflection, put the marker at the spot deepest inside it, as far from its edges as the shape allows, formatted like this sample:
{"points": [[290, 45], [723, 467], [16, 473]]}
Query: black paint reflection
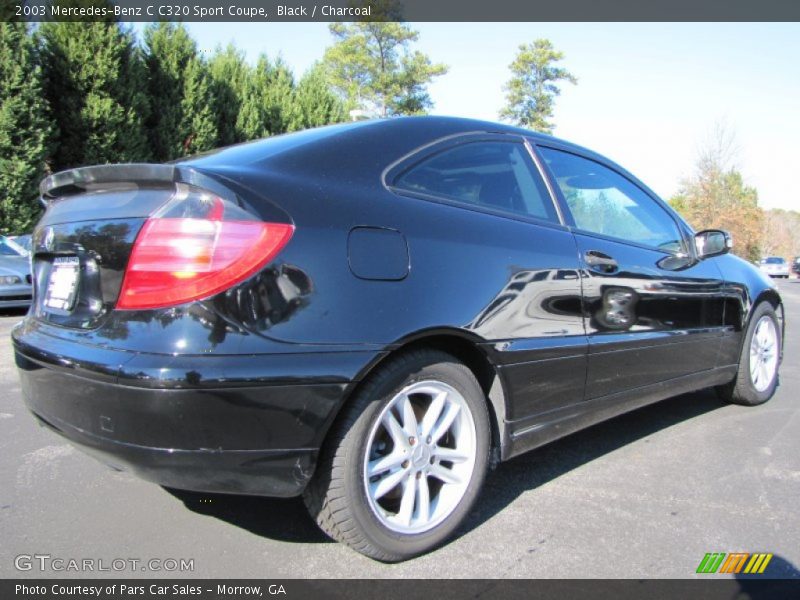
{"points": [[633, 301], [271, 297], [102, 248], [533, 303], [617, 309], [676, 262]]}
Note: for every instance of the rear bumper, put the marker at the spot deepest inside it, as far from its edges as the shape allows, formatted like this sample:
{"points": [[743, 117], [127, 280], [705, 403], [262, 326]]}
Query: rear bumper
{"points": [[236, 424], [280, 473]]}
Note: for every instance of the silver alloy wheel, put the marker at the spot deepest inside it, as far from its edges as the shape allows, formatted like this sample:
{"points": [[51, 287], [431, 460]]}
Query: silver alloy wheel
{"points": [[763, 354], [420, 457]]}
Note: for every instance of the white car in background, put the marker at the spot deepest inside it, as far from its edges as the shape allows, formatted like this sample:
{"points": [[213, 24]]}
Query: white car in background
{"points": [[775, 266]]}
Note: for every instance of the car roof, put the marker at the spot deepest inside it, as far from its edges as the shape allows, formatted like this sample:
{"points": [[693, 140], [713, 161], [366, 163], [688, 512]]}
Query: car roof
{"points": [[365, 149], [397, 136]]}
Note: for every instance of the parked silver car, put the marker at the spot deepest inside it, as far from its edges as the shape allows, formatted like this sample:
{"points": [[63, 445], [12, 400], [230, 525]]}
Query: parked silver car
{"points": [[15, 275], [775, 266]]}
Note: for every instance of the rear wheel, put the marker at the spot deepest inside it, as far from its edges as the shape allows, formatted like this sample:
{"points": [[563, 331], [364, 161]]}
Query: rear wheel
{"points": [[405, 462], [757, 377]]}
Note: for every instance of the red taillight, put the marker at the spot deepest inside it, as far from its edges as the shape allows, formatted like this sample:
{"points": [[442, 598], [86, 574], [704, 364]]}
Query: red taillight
{"points": [[178, 260]]}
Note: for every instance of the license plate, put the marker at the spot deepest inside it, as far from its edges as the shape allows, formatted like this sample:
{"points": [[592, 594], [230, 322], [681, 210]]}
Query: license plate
{"points": [[63, 284]]}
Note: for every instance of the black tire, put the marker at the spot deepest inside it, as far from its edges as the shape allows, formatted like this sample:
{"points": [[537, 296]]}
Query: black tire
{"points": [[337, 498], [742, 390]]}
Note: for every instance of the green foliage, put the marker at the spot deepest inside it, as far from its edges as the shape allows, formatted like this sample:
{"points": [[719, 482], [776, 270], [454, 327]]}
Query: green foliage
{"points": [[8, 12], [267, 106], [79, 93], [278, 96], [533, 87], [229, 74], [25, 129], [181, 118], [316, 103], [372, 66], [596, 211], [717, 198], [96, 84], [272, 104], [198, 129]]}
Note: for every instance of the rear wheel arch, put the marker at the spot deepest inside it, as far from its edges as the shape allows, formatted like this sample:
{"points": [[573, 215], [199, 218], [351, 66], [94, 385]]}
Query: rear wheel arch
{"points": [[374, 475], [466, 349]]}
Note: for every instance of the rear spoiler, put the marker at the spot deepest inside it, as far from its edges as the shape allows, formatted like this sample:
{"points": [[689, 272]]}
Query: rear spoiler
{"points": [[77, 181]]}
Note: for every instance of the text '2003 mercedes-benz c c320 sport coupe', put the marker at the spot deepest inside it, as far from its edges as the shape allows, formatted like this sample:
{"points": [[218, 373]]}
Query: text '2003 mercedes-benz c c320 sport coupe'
{"points": [[371, 314]]}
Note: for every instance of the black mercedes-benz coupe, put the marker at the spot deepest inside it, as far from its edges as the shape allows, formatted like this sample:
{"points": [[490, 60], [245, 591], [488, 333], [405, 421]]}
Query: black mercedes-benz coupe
{"points": [[372, 314]]}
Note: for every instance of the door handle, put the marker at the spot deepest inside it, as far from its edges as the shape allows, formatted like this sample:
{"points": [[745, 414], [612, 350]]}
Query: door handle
{"points": [[600, 262]]}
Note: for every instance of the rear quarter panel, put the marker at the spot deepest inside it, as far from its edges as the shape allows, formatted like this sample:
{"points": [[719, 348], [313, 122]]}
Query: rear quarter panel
{"points": [[460, 261]]}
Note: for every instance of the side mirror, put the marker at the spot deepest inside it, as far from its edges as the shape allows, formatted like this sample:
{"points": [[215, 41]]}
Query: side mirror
{"points": [[712, 242]]}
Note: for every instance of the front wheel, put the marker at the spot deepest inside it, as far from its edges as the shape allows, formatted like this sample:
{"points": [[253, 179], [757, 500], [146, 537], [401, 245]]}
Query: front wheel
{"points": [[405, 462], [757, 377]]}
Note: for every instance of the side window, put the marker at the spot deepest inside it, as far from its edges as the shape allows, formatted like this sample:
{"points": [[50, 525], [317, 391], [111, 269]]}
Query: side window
{"points": [[603, 201], [497, 175]]}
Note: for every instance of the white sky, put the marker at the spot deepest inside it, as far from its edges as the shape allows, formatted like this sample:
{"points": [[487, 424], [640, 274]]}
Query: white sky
{"points": [[648, 94]]}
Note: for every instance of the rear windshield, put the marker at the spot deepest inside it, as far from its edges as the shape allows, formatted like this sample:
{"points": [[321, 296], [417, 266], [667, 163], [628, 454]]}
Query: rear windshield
{"points": [[773, 260]]}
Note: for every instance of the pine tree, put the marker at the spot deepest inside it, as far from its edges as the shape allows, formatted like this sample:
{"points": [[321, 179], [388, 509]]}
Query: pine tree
{"points": [[533, 87], [96, 84], [199, 126], [268, 106], [251, 121], [168, 51], [281, 110], [372, 66], [316, 103], [181, 119], [25, 129], [229, 77]]}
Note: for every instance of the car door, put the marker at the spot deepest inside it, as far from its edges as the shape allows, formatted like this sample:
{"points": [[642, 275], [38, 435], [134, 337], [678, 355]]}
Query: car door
{"points": [[523, 265], [653, 312]]}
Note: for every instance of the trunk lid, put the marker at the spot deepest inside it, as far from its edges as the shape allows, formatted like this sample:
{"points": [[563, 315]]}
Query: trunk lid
{"points": [[81, 246]]}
